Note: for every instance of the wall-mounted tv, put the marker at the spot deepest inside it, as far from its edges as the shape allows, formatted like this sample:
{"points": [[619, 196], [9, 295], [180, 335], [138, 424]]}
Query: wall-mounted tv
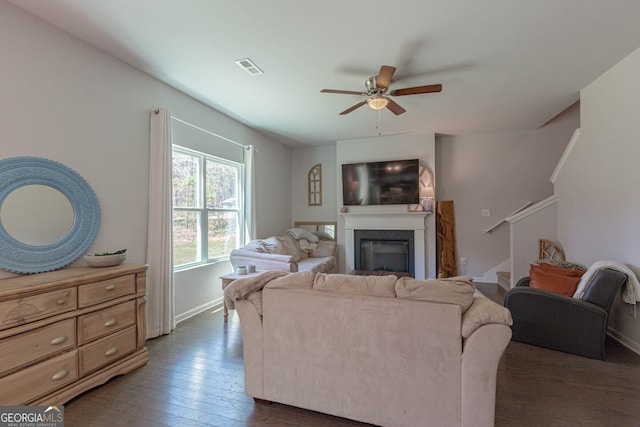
{"points": [[393, 182]]}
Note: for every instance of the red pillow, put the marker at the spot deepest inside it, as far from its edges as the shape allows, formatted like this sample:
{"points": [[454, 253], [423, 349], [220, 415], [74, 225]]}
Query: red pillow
{"points": [[548, 268], [558, 283]]}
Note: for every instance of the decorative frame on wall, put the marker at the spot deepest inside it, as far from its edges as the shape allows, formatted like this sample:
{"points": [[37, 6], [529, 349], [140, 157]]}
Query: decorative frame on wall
{"points": [[314, 187], [427, 190], [20, 257]]}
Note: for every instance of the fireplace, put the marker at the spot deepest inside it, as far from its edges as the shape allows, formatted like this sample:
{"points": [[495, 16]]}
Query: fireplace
{"points": [[384, 251], [408, 223]]}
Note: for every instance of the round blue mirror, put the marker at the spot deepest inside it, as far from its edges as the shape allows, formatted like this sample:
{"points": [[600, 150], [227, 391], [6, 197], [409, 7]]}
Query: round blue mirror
{"points": [[49, 215]]}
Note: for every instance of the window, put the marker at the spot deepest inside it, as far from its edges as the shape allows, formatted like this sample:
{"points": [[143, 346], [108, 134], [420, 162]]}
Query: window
{"points": [[207, 207]]}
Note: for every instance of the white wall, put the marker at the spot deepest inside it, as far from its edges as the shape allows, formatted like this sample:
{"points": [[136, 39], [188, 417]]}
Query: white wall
{"points": [[64, 100], [599, 206], [500, 172], [383, 148], [303, 159]]}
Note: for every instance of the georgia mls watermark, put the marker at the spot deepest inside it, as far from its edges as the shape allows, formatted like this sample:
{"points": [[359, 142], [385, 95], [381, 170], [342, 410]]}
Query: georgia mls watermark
{"points": [[32, 416]]}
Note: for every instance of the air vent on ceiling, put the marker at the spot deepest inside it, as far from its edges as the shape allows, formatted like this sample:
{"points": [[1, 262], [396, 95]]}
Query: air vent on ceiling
{"points": [[249, 66]]}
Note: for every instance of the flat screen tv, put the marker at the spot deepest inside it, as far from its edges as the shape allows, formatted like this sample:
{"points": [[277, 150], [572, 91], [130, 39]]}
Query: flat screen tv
{"points": [[393, 182]]}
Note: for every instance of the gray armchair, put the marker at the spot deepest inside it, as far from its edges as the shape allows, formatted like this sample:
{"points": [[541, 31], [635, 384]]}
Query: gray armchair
{"points": [[558, 322]]}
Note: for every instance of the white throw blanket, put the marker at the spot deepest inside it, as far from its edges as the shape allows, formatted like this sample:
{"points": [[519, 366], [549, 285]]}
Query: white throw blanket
{"points": [[630, 290]]}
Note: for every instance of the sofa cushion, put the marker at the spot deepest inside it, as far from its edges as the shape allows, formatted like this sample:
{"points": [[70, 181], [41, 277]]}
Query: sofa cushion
{"points": [[553, 282], [483, 311], [454, 290], [379, 286], [299, 280]]}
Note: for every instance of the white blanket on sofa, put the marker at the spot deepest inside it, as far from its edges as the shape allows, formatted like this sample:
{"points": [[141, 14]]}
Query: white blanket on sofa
{"points": [[630, 290]]}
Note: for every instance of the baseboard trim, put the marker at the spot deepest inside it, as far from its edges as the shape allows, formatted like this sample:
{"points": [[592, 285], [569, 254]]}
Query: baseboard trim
{"points": [[216, 303], [624, 340]]}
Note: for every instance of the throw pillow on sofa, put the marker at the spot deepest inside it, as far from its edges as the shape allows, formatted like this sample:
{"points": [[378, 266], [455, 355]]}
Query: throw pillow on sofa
{"points": [[554, 282], [548, 268]]}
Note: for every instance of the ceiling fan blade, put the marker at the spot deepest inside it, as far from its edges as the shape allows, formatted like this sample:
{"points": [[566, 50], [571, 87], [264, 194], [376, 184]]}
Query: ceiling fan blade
{"points": [[345, 92], [416, 90], [395, 108], [384, 77], [358, 105]]}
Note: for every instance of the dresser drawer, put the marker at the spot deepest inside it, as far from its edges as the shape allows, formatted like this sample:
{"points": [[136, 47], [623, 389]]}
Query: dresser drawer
{"points": [[106, 290], [37, 380], [106, 321], [36, 307], [28, 347], [107, 350]]}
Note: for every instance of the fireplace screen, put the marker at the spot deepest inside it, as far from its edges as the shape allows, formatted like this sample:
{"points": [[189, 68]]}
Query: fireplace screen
{"points": [[384, 250]]}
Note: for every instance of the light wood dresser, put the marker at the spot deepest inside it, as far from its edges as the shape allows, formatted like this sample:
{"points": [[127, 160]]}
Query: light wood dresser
{"points": [[66, 331]]}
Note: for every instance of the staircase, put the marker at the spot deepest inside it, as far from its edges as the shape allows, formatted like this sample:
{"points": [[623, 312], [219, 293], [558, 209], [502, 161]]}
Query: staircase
{"points": [[504, 279]]}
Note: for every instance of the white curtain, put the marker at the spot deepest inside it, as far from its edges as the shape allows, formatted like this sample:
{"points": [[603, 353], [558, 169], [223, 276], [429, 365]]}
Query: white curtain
{"points": [[160, 301], [249, 194]]}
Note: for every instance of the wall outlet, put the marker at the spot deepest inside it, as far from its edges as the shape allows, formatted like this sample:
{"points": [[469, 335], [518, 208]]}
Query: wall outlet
{"points": [[463, 260], [486, 212]]}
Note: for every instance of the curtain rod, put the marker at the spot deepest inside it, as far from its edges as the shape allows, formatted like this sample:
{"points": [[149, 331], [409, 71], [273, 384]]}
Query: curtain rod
{"points": [[209, 132], [246, 147]]}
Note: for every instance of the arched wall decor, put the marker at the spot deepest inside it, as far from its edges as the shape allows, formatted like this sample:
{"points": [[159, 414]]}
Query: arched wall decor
{"points": [[314, 179], [19, 257], [427, 190]]}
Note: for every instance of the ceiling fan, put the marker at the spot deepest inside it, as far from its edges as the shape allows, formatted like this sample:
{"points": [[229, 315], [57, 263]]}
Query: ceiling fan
{"points": [[378, 92]]}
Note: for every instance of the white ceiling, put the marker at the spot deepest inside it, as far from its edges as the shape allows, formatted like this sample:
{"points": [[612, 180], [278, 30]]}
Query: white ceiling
{"points": [[504, 64]]}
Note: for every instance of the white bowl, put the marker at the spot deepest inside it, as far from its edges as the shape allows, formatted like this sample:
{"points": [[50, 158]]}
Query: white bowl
{"points": [[105, 260]]}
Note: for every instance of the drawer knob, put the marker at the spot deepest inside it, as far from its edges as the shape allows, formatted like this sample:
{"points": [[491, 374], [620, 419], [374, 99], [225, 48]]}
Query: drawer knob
{"points": [[62, 301], [110, 322], [110, 287], [59, 340], [60, 375], [111, 351]]}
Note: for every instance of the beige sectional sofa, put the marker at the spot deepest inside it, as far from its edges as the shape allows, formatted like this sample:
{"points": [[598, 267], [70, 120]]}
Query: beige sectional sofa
{"points": [[285, 253], [377, 349]]}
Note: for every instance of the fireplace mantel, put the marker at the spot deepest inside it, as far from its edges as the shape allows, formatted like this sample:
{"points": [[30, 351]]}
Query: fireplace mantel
{"points": [[386, 221]]}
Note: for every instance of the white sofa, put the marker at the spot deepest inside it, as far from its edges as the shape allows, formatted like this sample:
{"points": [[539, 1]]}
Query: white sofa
{"points": [[373, 348], [284, 253]]}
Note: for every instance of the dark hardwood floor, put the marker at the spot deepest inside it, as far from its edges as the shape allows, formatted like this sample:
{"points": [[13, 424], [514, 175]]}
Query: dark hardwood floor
{"points": [[195, 378]]}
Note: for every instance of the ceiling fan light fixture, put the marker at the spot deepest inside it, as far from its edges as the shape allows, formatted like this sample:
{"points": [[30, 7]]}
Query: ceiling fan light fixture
{"points": [[378, 102]]}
